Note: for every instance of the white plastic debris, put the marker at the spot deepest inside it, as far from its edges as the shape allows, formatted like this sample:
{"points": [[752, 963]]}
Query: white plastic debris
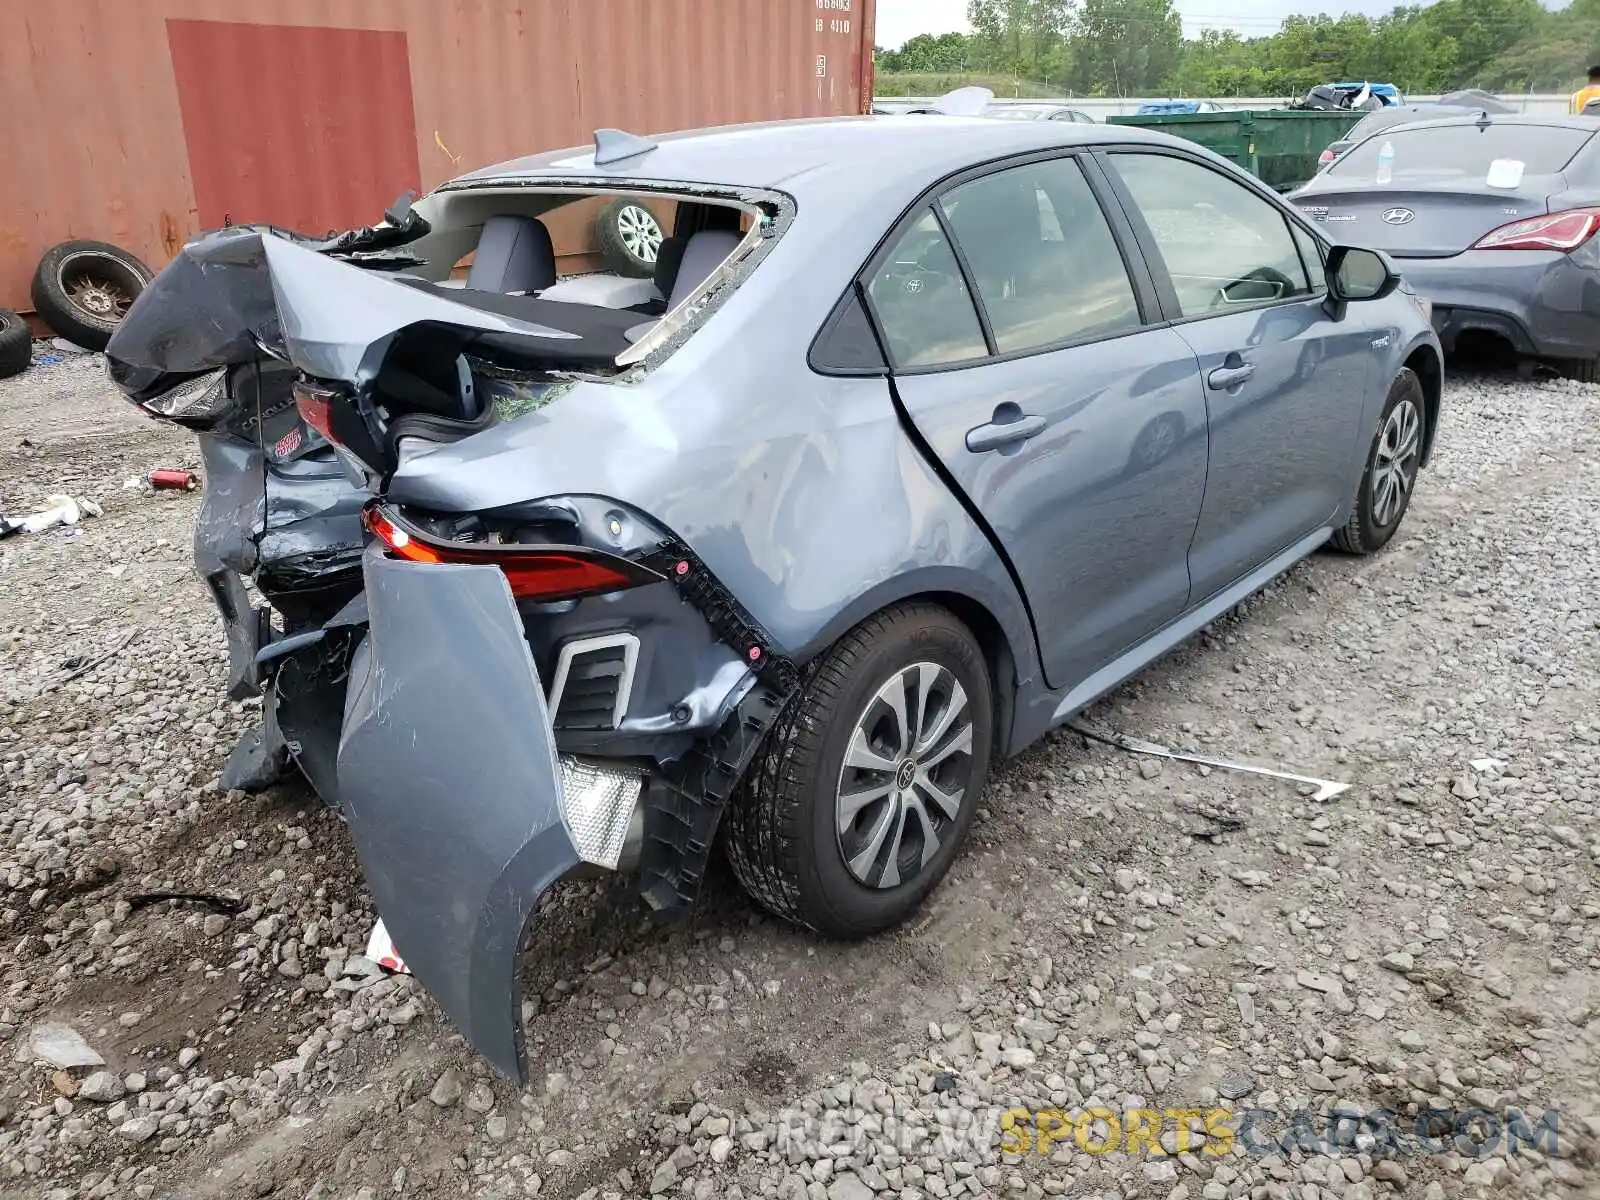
{"points": [[58, 510], [380, 949], [61, 1046]]}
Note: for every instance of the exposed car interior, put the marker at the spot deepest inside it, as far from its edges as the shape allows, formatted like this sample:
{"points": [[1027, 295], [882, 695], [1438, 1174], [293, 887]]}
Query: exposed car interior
{"points": [[525, 255]]}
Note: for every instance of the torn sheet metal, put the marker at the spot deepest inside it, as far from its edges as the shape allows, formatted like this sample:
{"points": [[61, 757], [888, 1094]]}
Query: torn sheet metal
{"points": [[338, 321], [1327, 789]]}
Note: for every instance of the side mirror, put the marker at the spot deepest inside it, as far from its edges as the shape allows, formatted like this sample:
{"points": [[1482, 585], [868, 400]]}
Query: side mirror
{"points": [[1355, 274]]}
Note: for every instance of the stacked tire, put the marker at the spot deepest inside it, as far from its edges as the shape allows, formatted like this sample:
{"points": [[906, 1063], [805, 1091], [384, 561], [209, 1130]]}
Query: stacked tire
{"points": [[16, 344]]}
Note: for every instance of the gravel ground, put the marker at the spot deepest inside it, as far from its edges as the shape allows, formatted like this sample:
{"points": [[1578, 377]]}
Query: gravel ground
{"points": [[1122, 934]]}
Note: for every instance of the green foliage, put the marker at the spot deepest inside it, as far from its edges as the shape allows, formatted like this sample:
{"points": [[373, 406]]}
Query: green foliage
{"points": [[1136, 47]]}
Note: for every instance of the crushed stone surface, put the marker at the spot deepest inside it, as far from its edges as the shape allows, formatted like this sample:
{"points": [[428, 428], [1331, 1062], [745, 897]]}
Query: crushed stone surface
{"points": [[1121, 936]]}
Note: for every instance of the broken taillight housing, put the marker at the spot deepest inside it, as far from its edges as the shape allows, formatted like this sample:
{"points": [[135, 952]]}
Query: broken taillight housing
{"points": [[535, 572], [194, 400], [315, 406], [1563, 231]]}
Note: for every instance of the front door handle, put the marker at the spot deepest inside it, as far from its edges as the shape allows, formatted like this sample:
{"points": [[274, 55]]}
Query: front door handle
{"points": [[1233, 372], [1010, 427]]}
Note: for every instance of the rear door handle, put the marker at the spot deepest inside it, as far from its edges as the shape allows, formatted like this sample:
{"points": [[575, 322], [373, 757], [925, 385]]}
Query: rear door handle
{"points": [[1233, 372], [1006, 430]]}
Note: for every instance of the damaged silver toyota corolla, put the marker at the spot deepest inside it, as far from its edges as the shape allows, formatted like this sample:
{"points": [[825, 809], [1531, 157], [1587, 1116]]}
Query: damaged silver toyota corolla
{"points": [[924, 434]]}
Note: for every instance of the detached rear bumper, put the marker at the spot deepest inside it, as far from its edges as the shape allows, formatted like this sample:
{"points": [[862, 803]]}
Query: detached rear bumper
{"points": [[453, 790], [1544, 303]]}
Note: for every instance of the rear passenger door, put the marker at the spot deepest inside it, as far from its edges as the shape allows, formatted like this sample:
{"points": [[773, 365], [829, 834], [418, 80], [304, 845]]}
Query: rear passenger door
{"points": [[1023, 353], [1284, 382]]}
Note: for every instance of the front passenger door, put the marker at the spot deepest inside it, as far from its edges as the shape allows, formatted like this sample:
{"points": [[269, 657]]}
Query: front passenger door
{"points": [[1284, 382]]}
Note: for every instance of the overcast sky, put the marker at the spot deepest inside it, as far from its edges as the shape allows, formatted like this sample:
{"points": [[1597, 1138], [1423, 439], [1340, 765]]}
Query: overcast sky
{"points": [[902, 19]]}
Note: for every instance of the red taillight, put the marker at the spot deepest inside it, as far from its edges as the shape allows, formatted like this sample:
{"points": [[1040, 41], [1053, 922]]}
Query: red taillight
{"points": [[534, 572], [315, 405], [1564, 231]]}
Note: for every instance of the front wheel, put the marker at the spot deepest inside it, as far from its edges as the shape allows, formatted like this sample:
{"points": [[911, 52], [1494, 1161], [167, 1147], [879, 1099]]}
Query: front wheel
{"points": [[869, 780], [1392, 466]]}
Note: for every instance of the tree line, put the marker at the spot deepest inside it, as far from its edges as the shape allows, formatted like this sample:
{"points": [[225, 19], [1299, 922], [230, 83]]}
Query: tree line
{"points": [[1137, 47]]}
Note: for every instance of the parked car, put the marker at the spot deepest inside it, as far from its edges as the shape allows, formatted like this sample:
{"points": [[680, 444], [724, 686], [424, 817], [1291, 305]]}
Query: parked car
{"points": [[1455, 104], [1387, 118], [1178, 108], [943, 429], [1490, 217], [1037, 112]]}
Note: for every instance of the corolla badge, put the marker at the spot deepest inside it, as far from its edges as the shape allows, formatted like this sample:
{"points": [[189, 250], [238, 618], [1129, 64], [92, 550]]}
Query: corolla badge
{"points": [[1398, 216]]}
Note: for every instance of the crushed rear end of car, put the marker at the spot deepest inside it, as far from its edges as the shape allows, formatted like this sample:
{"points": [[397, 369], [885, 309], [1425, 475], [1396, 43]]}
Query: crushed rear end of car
{"points": [[518, 689]]}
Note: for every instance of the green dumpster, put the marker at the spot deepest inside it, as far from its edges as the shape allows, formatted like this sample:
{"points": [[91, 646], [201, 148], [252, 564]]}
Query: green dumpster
{"points": [[1278, 146]]}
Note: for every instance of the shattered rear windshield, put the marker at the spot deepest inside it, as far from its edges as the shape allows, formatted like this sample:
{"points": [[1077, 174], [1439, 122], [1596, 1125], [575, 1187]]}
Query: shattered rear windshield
{"points": [[1465, 151]]}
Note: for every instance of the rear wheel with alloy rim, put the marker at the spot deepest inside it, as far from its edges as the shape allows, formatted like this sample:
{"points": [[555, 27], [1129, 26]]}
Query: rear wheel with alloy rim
{"points": [[869, 780], [1392, 467]]}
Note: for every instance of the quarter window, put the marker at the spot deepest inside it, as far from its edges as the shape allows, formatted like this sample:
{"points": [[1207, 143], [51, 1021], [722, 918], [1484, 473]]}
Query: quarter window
{"points": [[1042, 256], [1224, 247], [921, 301]]}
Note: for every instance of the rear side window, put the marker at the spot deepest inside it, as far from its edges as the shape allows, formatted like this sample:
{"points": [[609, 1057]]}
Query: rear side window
{"points": [[1464, 151], [1224, 246], [921, 301], [1042, 255]]}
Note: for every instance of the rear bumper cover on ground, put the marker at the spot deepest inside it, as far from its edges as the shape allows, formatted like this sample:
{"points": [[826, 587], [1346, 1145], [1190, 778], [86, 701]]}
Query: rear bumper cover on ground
{"points": [[1544, 303], [451, 787]]}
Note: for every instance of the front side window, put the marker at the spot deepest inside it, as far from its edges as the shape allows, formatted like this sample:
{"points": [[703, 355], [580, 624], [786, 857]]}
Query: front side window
{"points": [[1042, 256], [1224, 246], [921, 301]]}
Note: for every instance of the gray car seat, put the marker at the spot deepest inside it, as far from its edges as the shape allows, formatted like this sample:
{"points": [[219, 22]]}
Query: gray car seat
{"points": [[514, 254], [702, 254]]}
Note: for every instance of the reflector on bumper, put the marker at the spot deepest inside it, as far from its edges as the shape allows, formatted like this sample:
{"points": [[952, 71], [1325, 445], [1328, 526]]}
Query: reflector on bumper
{"points": [[598, 801]]}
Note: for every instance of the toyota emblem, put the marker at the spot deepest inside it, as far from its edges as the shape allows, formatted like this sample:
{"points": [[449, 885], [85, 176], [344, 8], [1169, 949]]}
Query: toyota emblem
{"points": [[1398, 216]]}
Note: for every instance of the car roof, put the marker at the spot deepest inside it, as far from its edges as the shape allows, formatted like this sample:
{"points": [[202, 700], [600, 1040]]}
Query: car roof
{"points": [[820, 158]]}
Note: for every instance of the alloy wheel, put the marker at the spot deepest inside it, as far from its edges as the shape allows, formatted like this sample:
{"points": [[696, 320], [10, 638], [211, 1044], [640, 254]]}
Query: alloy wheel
{"points": [[640, 232], [1394, 469], [906, 772]]}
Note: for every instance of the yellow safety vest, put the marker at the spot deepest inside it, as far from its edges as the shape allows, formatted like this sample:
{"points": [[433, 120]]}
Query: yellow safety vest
{"points": [[1579, 99]]}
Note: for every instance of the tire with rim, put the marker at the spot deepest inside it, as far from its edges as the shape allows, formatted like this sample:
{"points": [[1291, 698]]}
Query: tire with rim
{"points": [[868, 781], [1392, 466], [630, 238], [16, 344], [83, 289]]}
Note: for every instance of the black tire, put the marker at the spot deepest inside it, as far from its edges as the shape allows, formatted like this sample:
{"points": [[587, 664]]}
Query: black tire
{"points": [[1369, 529], [82, 290], [617, 226], [16, 344], [783, 837]]}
